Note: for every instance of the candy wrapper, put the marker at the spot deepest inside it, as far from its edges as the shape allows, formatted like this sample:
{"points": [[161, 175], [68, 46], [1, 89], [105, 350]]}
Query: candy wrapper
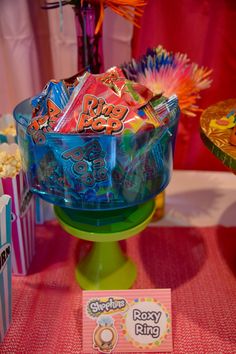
{"points": [[98, 108], [5, 265], [103, 104], [49, 104], [13, 182], [7, 129]]}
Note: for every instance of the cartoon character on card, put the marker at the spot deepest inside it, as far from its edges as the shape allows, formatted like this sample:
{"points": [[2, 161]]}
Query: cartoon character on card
{"points": [[105, 335]]}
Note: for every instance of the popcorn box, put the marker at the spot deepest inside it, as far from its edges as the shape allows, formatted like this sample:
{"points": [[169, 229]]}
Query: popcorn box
{"points": [[23, 221], [5, 265]]}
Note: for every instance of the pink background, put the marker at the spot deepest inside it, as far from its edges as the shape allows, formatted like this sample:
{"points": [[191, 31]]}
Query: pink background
{"points": [[205, 30]]}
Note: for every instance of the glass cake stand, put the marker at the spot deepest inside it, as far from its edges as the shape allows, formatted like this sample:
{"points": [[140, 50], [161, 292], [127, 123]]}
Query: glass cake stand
{"points": [[106, 266], [103, 188]]}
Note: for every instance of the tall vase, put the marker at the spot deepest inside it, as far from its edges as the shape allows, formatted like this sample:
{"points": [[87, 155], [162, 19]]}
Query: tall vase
{"points": [[89, 44]]}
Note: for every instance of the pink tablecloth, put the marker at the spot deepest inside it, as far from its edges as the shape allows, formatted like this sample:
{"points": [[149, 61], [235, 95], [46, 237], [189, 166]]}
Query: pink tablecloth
{"points": [[197, 263]]}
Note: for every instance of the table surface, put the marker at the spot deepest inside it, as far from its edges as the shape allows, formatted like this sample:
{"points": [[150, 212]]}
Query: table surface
{"points": [[200, 198], [193, 253], [217, 140]]}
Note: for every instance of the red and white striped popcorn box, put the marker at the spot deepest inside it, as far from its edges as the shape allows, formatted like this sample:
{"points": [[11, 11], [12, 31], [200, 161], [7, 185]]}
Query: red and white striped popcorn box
{"points": [[5, 265], [23, 221]]}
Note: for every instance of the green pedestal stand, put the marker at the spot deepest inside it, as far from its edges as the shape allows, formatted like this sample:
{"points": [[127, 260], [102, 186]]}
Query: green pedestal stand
{"points": [[106, 266]]}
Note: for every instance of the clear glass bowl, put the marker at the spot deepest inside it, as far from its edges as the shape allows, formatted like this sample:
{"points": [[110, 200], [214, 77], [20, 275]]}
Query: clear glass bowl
{"points": [[96, 172]]}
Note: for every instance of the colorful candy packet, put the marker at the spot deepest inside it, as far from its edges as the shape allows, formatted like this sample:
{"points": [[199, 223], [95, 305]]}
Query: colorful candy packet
{"points": [[46, 108], [95, 104], [48, 105], [130, 91], [110, 77], [97, 108]]}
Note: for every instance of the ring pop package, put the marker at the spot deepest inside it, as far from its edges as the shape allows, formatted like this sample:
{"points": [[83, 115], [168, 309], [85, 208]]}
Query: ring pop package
{"points": [[96, 108], [109, 147]]}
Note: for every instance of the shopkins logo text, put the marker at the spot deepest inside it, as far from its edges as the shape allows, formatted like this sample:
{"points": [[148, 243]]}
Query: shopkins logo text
{"points": [[88, 163], [5, 252], [106, 306], [100, 116]]}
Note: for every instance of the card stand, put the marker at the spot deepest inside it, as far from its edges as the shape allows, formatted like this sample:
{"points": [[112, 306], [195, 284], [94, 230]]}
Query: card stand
{"points": [[106, 266]]}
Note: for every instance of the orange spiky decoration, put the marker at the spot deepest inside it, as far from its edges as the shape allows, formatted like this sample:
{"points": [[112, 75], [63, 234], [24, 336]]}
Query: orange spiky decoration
{"points": [[170, 73], [129, 9]]}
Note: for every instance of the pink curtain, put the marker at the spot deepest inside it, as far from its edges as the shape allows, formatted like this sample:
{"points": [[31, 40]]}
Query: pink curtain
{"points": [[206, 31], [33, 50]]}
